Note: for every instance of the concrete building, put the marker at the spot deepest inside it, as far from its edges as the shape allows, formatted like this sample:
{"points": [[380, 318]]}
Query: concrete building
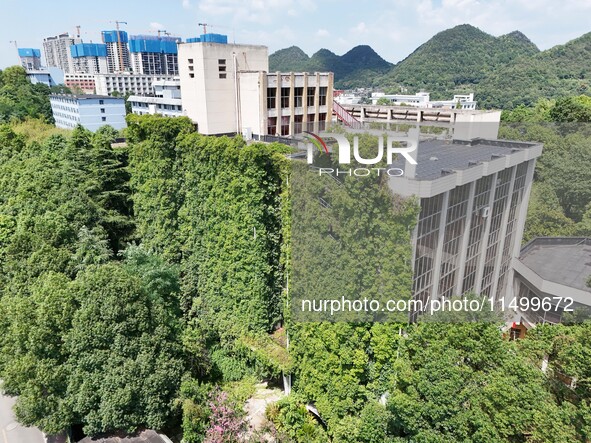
{"points": [[90, 111], [154, 55], [549, 269], [89, 58], [284, 104], [123, 83], [41, 76], [209, 82], [227, 89], [117, 51], [30, 58], [84, 82], [57, 51], [473, 198], [422, 100], [165, 100]]}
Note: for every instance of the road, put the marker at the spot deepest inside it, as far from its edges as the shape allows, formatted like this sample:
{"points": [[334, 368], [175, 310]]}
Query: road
{"points": [[10, 430]]}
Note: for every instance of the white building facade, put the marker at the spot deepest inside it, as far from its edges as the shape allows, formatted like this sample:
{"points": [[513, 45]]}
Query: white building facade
{"points": [[165, 100], [422, 100], [123, 83], [90, 111]]}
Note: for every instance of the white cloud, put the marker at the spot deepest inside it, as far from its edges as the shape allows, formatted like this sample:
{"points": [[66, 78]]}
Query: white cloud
{"points": [[187, 4], [322, 33], [360, 28], [156, 26]]}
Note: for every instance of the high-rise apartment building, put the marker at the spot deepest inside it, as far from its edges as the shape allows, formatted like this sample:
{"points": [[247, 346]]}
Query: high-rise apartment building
{"points": [[30, 58], [117, 51], [154, 55], [89, 58], [57, 51]]}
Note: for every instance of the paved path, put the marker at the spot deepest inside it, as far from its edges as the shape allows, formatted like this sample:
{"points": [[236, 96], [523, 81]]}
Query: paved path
{"points": [[10, 430]]}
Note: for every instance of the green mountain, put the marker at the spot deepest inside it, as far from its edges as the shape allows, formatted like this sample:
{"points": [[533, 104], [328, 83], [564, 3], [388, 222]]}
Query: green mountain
{"points": [[357, 68], [457, 60]]}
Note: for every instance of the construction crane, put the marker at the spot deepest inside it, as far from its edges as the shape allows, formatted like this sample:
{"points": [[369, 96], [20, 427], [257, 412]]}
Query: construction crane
{"points": [[78, 31], [16, 47], [204, 27], [163, 31], [120, 48]]}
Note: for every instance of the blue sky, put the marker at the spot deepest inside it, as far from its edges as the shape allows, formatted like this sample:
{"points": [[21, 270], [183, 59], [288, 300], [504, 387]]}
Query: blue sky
{"points": [[394, 28]]}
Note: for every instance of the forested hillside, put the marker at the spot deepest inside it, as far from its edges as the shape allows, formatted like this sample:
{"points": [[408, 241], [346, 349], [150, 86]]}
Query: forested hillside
{"points": [[503, 71]]}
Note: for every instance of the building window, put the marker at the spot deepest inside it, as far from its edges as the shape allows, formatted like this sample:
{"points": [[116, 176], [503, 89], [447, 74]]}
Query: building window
{"points": [[222, 69], [101, 102], [192, 75], [190, 67], [271, 98], [104, 119], [102, 110], [285, 97], [285, 125], [322, 96], [190, 60], [310, 124], [272, 126], [297, 97], [322, 121], [311, 94], [297, 126], [223, 75], [221, 61]]}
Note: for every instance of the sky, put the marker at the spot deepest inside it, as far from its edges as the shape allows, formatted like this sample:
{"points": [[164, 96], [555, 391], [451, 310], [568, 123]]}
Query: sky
{"points": [[394, 28]]}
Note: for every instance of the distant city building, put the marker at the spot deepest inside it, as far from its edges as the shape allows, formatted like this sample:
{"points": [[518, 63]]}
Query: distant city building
{"points": [[154, 55], [165, 100], [473, 196], [124, 83], [226, 89], [30, 58], [57, 51], [89, 58], [548, 270], [90, 111], [422, 99], [41, 76], [85, 83], [346, 98], [117, 51]]}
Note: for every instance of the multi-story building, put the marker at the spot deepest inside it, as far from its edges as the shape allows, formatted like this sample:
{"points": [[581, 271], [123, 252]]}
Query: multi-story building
{"points": [[86, 83], [30, 58], [227, 89], [90, 111], [473, 198], [550, 275], [117, 51], [154, 55], [166, 100], [124, 83], [89, 58], [57, 51], [284, 104], [41, 76]]}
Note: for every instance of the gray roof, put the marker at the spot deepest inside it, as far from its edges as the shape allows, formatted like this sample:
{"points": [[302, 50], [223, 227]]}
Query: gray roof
{"points": [[563, 260], [147, 436], [438, 157], [86, 96]]}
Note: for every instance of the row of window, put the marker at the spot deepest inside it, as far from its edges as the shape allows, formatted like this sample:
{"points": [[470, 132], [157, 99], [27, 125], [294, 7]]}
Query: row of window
{"points": [[298, 124], [298, 97]]}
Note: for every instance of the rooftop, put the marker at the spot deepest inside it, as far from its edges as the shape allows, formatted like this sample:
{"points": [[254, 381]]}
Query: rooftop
{"points": [[86, 96], [436, 158], [562, 260]]}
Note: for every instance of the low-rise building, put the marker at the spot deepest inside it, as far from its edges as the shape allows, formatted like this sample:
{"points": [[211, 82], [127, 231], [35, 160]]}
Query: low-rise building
{"points": [[123, 83], [41, 76], [90, 111], [165, 100], [551, 275], [85, 83], [422, 100]]}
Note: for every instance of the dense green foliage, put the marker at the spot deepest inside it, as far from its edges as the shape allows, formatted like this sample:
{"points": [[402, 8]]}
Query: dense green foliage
{"points": [[357, 68], [20, 99]]}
